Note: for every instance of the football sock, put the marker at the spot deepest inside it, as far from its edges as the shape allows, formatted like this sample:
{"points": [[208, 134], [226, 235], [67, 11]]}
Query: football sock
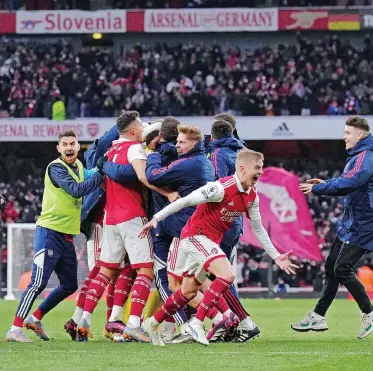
{"points": [[109, 299], [83, 290], [176, 301]]}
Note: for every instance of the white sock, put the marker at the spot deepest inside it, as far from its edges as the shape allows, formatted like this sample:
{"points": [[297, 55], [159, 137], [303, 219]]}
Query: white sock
{"points": [[227, 313], [116, 313], [77, 316], [88, 317], [34, 318], [248, 323], [317, 316], [218, 318], [14, 328], [133, 321]]}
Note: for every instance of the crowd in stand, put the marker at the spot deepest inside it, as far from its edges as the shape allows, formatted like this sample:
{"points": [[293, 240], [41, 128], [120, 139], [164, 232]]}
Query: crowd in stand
{"points": [[329, 76], [146, 4]]}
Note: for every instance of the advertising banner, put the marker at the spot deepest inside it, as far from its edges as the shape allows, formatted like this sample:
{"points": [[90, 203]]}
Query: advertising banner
{"points": [[211, 20], [70, 21]]}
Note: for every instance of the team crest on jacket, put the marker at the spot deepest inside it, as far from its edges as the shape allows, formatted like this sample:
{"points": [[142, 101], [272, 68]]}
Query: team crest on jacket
{"points": [[50, 253]]}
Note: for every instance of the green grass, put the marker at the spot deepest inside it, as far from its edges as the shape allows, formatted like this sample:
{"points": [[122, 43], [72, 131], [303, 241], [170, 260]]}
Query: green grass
{"points": [[277, 349]]}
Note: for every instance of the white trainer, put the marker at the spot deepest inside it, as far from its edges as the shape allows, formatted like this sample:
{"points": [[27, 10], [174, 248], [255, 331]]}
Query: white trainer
{"points": [[196, 330], [151, 327], [366, 325], [310, 323]]}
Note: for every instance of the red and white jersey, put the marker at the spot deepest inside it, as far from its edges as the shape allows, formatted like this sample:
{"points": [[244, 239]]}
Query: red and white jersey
{"points": [[213, 219], [219, 203], [124, 202]]}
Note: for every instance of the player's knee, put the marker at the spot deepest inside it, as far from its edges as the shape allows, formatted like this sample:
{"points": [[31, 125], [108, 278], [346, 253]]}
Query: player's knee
{"points": [[229, 277], [147, 272], [174, 285], [341, 272], [189, 292]]}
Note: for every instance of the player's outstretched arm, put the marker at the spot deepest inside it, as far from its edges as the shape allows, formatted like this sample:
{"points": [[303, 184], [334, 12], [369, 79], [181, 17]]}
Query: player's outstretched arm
{"points": [[282, 260], [61, 178], [211, 192], [348, 182]]}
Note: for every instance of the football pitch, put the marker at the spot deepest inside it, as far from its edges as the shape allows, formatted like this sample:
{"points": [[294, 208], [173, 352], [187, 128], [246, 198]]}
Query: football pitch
{"points": [[277, 349]]}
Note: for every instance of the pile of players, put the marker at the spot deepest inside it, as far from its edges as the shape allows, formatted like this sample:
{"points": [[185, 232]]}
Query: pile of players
{"points": [[166, 177]]}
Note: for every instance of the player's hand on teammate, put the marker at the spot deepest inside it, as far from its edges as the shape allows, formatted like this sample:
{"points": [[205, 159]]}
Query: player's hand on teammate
{"points": [[100, 163], [147, 227], [284, 262], [173, 196]]}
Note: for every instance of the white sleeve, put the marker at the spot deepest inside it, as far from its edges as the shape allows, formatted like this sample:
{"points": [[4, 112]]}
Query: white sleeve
{"points": [[136, 152], [211, 192], [259, 232]]}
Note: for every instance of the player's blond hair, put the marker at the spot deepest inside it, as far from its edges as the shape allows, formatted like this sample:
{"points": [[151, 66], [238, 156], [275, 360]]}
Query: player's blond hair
{"points": [[192, 132], [248, 155]]}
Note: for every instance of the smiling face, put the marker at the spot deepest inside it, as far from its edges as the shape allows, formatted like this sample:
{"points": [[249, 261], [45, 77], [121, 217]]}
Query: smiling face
{"points": [[69, 148], [184, 144], [352, 136]]}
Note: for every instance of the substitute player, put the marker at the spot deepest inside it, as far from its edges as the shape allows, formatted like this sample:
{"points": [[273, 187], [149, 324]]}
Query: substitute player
{"points": [[125, 216], [64, 187], [220, 202], [356, 236]]}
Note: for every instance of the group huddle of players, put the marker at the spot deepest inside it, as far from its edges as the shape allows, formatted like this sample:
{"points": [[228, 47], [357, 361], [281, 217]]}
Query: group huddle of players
{"points": [[185, 251]]}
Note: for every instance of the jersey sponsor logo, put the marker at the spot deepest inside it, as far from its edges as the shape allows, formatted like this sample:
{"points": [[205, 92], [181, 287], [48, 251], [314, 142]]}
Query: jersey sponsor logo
{"points": [[229, 216]]}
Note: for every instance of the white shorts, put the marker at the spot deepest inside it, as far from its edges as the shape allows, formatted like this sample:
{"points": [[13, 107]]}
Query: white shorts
{"points": [[93, 244], [192, 256], [121, 240]]}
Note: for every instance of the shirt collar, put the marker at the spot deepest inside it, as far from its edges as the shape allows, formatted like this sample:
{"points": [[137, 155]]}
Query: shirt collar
{"points": [[121, 140], [239, 185]]}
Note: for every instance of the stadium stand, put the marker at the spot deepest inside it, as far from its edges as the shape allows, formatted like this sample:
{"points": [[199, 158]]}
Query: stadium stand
{"points": [[330, 77]]}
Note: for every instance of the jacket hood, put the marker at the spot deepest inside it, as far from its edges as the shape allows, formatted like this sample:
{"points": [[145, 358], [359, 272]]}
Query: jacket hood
{"points": [[228, 142], [198, 149], [363, 145]]}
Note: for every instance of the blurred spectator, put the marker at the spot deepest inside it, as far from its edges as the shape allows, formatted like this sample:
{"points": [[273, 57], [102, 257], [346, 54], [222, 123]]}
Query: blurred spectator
{"points": [[327, 77]]}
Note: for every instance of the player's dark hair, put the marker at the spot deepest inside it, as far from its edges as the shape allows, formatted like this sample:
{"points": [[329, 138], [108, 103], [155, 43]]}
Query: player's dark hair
{"points": [[67, 133], [226, 117], [151, 136], [169, 129], [358, 122], [221, 129], [126, 119]]}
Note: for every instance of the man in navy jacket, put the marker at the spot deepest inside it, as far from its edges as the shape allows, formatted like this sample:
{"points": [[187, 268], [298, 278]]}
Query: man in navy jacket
{"points": [[190, 171], [223, 153], [356, 235]]}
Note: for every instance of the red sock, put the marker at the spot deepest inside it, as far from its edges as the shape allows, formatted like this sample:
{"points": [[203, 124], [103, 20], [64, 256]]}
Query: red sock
{"points": [[172, 305], [212, 295], [109, 299], [235, 305], [18, 321], [221, 305], [95, 291], [123, 286], [86, 283], [38, 314], [140, 294], [212, 313], [170, 319]]}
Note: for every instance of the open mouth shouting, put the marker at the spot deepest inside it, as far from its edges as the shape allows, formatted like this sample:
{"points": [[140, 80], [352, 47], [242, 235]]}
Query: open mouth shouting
{"points": [[70, 155]]}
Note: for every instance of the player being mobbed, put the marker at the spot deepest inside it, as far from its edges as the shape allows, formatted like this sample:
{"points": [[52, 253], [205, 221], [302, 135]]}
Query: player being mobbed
{"points": [[220, 202], [64, 187]]}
